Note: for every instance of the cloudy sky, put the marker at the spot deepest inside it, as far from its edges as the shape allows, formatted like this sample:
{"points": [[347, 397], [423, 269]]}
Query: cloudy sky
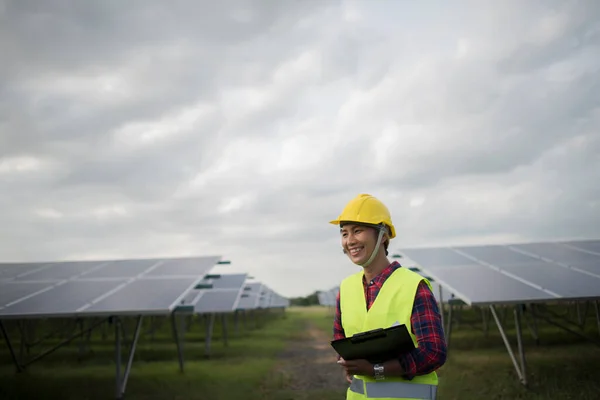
{"points": [[240, 128]]}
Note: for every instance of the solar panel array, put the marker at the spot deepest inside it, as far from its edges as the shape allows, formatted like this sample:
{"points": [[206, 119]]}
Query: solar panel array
{"points": [[514, 273], [327, 298], [257, 295], [93, 288], [216, 293]]}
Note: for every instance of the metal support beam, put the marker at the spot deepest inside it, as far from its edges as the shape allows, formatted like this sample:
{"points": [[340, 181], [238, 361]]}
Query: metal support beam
{"points": [[209, 331], [61, 344], [178, 341], [441, 306], [532, 326], [121, 380], [136, 336], [485, 320], [10, 347], [224, 327], [518, 313], [597, 307], [236, 321], [449, 327], [520, 372]]}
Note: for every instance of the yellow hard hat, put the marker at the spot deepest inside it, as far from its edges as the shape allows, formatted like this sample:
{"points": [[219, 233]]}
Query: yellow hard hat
{"points": [[366, 209]]}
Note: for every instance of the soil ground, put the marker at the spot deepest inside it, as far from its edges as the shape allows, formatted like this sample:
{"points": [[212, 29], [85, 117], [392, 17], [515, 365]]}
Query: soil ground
{"points": [[308, 368]]}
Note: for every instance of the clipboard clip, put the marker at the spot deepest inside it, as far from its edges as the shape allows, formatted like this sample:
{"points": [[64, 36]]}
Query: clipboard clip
{"points": [[369, 335]]}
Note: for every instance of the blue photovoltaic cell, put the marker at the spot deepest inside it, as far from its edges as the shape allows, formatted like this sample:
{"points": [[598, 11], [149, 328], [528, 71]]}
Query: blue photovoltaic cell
{"points": [[562, 254], [496, 255], [589, 245], [86, 287], [483, 285], [250, 302], [231, 281], [561, 280], [13, 270], [593, 268], [12, 291], [65, 298], [434, 257], [144, 296], [216, 301], [196, 266], [122, 269], [61, 271]]}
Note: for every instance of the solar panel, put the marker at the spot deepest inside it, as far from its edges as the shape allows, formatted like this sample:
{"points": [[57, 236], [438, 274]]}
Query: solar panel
{"points": [[278, 301], [13, 270], [122, 269], [86, 288], [217, 301], [10, 292], [562, 254], [433, 257], [229, 281], [558, 279], [496, 254], [478, 284], [250, 296], [64, 299], [248, 301], [511, 273], [222, 296], [587, 245], [265, 297]]}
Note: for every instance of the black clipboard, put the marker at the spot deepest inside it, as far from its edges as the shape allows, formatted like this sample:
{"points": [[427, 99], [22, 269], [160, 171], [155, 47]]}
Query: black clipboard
{"points": [[376, 346]]}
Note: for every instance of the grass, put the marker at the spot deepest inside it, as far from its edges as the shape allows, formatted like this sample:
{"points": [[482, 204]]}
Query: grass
{"points": [[240, 370], [561, 367]]}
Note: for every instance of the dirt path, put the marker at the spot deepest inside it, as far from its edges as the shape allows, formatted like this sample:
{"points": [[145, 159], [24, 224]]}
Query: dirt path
{"points": [[309, 365]]}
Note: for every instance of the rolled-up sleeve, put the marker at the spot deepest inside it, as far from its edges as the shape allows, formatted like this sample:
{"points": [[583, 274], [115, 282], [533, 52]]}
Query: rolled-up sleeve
{"points": [[426, 323]]}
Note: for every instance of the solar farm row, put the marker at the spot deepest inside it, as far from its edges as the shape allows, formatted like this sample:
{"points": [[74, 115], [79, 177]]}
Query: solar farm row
{"points": [[115, 289], [126, 287]]}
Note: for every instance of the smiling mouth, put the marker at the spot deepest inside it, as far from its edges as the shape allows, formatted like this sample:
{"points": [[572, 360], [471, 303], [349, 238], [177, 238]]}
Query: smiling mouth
{"points": [[355, 251]]}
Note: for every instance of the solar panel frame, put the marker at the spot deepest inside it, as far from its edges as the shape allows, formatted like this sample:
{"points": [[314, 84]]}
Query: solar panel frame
{"points": [[211, 301]]}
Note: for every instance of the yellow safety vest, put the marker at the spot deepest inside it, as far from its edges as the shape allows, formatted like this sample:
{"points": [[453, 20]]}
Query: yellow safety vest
{"points": [[393, 304]]}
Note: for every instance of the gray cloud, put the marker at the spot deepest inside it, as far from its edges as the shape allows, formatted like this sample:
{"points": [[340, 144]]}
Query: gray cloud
{"points": [[241, 129]]}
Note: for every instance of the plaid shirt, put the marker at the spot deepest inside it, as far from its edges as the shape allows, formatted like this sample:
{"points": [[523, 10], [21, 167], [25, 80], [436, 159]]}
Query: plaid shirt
{"points": [[425, 322]]}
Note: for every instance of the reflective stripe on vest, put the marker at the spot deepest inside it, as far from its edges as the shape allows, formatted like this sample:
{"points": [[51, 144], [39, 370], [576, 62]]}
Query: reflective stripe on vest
{"points": [[378, 390]]}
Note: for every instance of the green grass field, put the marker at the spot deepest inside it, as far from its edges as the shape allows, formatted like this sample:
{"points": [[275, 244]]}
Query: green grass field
{"points": [[254, 365]]}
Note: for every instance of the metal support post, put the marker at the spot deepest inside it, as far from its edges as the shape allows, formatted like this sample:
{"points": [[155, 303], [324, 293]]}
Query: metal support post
{"points": [[597, 307], [224, 327], [178, 340], [10, 347], [136, 336], [508, 346], [118, 393], [449, 327], [236, 322], [486, 325], [209, 331], [518, 311], [441, 306], [533, 328]]}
